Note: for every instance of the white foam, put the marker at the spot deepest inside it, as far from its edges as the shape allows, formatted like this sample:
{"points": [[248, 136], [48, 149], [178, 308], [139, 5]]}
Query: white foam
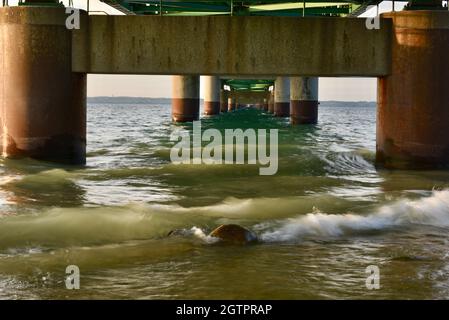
{"points": [[433, 210], [198, 232]]}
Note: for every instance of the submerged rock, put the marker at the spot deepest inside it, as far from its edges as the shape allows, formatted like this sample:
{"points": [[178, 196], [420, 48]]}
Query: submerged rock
{"points": [[233, 233], [176, 232]]}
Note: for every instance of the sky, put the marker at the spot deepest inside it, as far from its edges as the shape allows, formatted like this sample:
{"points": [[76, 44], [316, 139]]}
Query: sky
{"points": [[343, 89]]}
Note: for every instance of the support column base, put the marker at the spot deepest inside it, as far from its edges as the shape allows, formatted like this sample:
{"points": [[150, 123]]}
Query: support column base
{"points": [[223, 107], [185, 109], [398, 159], [304, 111], [211, 108], [282, 109]]}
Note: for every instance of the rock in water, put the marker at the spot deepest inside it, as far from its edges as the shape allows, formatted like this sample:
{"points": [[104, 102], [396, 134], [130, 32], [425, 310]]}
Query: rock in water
{"points": [[176, 232], [233, 233]]}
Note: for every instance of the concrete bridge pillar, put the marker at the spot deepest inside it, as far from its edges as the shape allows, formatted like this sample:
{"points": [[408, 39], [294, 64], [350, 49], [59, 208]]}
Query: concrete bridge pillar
{"points": [[304, 100], [211, 95], [231, 102], [282, 97], [271, 102], [265, 103], [223, 100], [413, 102], [185, 98], [42, 102]]}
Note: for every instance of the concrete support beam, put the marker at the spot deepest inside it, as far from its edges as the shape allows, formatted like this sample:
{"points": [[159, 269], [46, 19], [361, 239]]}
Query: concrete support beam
{"points": [[304, 100], [282, 97], [211, 95], [42, 102], [413, 102], [224, 45], [223, 101], [185, 98]]}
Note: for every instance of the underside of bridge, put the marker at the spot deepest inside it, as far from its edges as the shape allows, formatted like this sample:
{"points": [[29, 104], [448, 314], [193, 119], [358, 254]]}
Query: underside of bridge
{"points": [[245, 7], [279, 8], [303, 106]]}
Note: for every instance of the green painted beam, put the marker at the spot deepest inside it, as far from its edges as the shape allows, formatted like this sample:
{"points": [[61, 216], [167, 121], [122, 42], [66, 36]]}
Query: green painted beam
{"points": [[244, 2], [307, 12], [240, 7], [249, 84], [183, 6]]}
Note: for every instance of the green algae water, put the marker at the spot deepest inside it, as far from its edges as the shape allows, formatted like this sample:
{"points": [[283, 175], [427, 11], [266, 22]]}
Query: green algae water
{"points": [[324, 217]]}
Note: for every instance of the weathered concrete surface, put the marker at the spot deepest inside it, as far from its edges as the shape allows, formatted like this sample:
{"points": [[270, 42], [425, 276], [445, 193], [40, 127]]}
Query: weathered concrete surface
{"points": [[42, 102], [244, 46], [413, 102]]}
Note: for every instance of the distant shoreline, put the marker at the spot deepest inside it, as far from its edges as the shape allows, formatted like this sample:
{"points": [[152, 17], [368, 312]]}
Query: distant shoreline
{"points": [[128, 100], [142, 100]]}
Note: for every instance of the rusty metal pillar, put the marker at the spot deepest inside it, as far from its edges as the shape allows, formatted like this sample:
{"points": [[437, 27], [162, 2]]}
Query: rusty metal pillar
{"points": [[282, 97], [211, 95], [223, 101], [42, 102], [304, 100], [185, 98], [413, 102]]}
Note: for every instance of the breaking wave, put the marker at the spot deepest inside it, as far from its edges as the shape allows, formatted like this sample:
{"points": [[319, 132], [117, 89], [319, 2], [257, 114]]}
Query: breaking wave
{"points": [[433, 211], [58, 227]]}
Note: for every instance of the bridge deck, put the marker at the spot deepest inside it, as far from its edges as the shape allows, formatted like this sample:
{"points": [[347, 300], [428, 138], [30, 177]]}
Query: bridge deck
{"points": [[223, 45]]}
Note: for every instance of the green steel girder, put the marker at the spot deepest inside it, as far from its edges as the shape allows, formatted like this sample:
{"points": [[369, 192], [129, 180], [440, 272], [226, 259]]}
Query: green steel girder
{"points": [[425, 5], [46, 3], [244, 2], [248, 84], [328, 11], [246, 7]]}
